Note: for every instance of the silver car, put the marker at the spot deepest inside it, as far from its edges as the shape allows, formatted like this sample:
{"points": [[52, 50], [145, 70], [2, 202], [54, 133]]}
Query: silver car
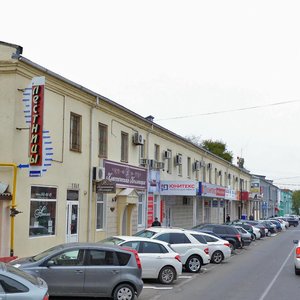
{"points": [[86, 269], [16, 284], [297, 257]]}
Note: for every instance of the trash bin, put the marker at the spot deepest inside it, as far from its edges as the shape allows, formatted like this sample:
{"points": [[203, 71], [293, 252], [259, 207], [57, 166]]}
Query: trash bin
{"points": [[244, 217]]}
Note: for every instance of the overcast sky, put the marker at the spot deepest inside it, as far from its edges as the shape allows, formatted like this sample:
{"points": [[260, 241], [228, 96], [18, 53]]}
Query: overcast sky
{"points": [[196, 66]]}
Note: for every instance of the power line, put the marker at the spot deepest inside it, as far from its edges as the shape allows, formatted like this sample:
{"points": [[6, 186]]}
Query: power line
{"points": [[230, 110]]}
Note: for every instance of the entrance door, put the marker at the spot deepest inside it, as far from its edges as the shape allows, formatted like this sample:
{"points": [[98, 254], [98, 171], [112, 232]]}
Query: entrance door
{"points": [[72, 221]]}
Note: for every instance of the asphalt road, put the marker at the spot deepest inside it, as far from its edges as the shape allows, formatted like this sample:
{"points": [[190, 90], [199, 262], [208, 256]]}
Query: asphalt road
{"points": [[262, 271]]}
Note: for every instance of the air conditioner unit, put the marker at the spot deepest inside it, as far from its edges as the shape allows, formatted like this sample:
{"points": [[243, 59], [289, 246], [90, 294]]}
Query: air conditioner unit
{"points": [[98, 173], [151, 163], [160, 165], [178, 159], [144, 161], [209, 166], [138, 139], [167, 154]]}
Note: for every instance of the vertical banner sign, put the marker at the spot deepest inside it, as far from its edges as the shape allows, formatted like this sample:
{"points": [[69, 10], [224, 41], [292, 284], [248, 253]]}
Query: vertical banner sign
{"points": [[37, 116], [150, 209]]}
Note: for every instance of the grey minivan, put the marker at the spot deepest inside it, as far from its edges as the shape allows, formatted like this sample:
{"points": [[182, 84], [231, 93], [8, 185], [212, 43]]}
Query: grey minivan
{"points": [[86, 269]]}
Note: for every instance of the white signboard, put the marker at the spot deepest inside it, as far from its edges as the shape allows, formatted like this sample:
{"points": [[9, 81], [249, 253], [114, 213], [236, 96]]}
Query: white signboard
{"points": [[179, 188]]}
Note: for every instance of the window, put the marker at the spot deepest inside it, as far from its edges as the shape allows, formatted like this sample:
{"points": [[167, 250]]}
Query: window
{"points": [[75, 132], [10, 286], [69, 258], [156, 152], [124, 146], [150, 247], [210, 239], [189, 166], [141, 209], [101, 258], [142, 150], [42, 211], [216, 176], [179, 238], [100, 211], [132, 244], [200, 238], [169, 170], [102, 140]]}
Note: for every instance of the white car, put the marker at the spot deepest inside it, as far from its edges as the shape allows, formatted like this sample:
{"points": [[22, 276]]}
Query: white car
{"points": [[297, 257], [193, 253], [219, 249], [158, 259]]}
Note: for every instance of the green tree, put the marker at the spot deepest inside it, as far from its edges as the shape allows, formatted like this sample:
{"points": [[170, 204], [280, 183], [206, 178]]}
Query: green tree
{"points": [[216, 147], [296, 201]]}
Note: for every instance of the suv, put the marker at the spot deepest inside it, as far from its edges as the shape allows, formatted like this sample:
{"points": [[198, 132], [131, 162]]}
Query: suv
{"points": [[226, 232], [193, 252]]}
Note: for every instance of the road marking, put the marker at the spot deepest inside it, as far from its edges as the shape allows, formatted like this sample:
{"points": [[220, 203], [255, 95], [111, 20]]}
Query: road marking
{"points": [[184, 276], [275, 277], [157, 288]]}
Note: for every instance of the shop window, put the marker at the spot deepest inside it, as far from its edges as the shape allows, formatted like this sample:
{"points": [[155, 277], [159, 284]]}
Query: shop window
{"points": [[100, 211], [102, 140], [124, 146], [42, 211], [75, 132]]}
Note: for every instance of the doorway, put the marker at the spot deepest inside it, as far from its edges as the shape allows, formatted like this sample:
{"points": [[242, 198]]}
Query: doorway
{"points": [[72, 222]]}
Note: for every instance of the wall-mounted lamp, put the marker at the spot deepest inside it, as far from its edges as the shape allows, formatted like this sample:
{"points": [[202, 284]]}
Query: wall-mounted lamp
{"points": [[112, 209]]}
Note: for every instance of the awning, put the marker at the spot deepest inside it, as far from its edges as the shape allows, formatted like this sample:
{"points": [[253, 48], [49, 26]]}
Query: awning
{"points": [[129, 194], [5, 196]]}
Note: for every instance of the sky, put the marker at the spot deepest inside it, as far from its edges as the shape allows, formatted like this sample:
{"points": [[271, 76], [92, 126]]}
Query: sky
{"points": [[220, 70]]}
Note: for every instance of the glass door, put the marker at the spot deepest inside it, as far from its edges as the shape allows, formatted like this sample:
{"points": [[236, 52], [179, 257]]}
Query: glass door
{"points": [[72, 221]]}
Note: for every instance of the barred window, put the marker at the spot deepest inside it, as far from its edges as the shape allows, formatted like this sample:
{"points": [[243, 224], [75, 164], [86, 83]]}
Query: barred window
{"points": [[102, 140], [124, 146], [75, 132]]}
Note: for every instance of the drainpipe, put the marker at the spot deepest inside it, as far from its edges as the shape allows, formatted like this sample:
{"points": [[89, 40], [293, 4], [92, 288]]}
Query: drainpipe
{"points": [[13, 205]]}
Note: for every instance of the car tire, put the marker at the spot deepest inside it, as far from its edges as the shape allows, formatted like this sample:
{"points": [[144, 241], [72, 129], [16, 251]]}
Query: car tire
{"points": [[124, 292], [253, 237], [297, 271], [193, 264], [167, 275], [217, 257]]}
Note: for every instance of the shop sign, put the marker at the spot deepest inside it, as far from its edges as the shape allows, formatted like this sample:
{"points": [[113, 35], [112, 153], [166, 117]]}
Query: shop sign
{"points": [[211, 190], [230, 194], [37, 116], [153, 181], [125, 175], [150, 210], [179, 188], [106, 186]]}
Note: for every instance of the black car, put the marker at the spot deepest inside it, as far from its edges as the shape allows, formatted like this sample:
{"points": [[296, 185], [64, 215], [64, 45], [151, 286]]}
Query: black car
{"points": [[226, 232]]}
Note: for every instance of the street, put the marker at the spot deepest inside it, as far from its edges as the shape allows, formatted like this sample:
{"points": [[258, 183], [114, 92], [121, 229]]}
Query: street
{"points": [[262, 271]]}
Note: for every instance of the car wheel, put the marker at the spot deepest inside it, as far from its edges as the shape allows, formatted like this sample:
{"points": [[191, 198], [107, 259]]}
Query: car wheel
{"points": [[297, 271], [217, 257], [124, 292], [253, 237], [193, 264], [167, 275]]}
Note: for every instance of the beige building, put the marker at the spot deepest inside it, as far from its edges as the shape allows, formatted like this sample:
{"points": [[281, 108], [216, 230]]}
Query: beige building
{"points": [[89, 168]]}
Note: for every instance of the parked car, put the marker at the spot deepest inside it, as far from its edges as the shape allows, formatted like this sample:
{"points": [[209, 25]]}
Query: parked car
{"points": [[292, 221], [263, 230], [245, 235], [279, 226], [219, 249], [16, 284], [297, 257], [255, 232], [226, 232], [270, 226], [86, 269], [193, 253], [158, 259]]}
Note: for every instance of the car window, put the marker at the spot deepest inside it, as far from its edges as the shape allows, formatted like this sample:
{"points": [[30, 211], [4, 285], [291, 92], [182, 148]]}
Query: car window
{"points": [[11, 286], [112, 240], [179, 238], [207, 227], [22, 274], [165, 237], [145, 233], [220, 230], [69, 258], [100, 258], [210, 239], [132, 244], [150, 247], [200, 238], [123, 258]]}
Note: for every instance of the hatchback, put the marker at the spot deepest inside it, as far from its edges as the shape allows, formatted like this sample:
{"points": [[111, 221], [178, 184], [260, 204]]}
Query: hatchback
{"points": [[86, 269], [193, 253], [159, 260], [16, 284]]}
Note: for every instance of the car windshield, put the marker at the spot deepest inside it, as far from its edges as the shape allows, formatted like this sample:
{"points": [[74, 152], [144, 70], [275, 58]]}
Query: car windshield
{"points": [[22, 274], [145, 233], [45, 253], [112, 240]]}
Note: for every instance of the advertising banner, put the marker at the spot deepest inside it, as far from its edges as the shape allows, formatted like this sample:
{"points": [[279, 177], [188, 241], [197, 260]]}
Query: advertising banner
{"points": [[211, 190], [179, 188]]}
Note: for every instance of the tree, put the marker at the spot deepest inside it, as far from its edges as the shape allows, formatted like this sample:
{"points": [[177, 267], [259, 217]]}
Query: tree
{"points": [[296, 201], [216, 147]]}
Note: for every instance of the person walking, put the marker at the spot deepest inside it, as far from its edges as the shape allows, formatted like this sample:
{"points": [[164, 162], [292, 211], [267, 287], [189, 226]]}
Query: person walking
{"points": [[227, 219], [156, 222]]}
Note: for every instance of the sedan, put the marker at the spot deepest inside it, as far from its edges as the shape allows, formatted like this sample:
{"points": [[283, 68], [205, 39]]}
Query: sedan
{"points": [[16, 284], [297, 257], [159, 260], [86, 269]]}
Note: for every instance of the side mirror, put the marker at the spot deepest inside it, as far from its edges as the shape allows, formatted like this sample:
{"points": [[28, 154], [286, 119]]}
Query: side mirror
{"points": [[295, 241], [50, 263]]}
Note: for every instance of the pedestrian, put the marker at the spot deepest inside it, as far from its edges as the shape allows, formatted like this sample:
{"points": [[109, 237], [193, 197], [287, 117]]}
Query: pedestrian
{"points": [[251, 218], [227, 219], [156, 222]]}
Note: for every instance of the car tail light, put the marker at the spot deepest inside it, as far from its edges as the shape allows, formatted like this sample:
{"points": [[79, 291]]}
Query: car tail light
{"points": [[136, 255], [46, 297], [178, 258], [206, 250], [239, 237], [298, 252], [227, 244]]}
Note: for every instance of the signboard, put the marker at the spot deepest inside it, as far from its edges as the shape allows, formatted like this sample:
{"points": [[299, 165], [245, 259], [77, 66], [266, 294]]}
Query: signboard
{"points": [[150, 210], [179, 188], [125, 175], [211, 190], [153, 181], [106, 186], [230, 194], [255, 190]]}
